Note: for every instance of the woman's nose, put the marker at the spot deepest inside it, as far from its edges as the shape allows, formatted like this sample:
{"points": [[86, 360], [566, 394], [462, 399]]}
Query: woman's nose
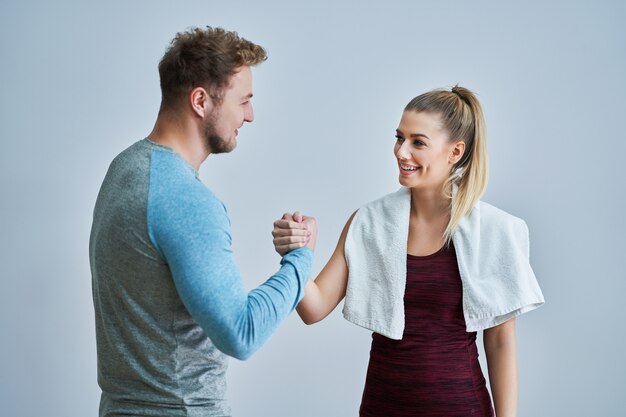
{"points": [[402, 151]]}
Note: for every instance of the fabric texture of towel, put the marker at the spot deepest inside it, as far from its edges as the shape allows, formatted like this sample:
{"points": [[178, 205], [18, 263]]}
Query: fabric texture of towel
{"points": [[492, 249]]}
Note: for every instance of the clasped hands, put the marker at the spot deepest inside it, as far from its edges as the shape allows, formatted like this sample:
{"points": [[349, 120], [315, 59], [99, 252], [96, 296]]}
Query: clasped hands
{"points": [[293, 231]]}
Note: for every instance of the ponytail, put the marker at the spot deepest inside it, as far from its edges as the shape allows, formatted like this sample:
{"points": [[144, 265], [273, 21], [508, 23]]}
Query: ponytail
{"points": [[462, 117]]}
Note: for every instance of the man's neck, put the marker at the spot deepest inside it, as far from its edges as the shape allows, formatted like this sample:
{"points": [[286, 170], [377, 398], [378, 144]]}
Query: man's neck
{"points": [[182, 136]]}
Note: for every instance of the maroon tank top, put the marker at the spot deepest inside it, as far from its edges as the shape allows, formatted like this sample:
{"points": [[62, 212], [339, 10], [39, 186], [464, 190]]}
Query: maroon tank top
{"points": [[434, 370]]}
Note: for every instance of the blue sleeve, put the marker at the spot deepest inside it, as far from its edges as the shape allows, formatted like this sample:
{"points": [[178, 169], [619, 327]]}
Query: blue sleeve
{"points": [[191, 230]]}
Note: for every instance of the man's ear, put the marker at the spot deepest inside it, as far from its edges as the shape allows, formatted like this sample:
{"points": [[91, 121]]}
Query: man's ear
{"points": [[200, 101]]}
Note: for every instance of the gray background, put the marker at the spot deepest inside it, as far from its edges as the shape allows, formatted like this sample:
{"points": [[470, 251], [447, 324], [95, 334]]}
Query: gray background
{"points": [[79, 84]]}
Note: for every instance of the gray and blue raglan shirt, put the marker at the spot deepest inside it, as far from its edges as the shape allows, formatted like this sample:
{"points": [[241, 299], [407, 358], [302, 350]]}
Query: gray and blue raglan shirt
{"points": [[169, 300]]}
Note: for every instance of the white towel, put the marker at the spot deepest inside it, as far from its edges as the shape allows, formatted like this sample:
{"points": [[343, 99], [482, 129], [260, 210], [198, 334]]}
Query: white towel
{"points": [[492, 252]]}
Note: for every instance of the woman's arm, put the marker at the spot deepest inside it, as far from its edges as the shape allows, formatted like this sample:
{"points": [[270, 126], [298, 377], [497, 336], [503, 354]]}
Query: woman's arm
{"points": [[322, 295], [499, 342]]}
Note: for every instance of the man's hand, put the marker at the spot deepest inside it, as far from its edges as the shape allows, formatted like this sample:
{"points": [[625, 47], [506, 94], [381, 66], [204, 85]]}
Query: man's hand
{"points": [[294, 231]]}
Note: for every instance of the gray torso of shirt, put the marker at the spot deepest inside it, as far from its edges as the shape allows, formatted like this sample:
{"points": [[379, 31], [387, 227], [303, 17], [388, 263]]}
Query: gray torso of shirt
{"points": [[153, 358]]}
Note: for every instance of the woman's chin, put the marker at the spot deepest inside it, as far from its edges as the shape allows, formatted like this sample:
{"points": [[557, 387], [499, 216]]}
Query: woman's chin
{"points": [[407, 182]]}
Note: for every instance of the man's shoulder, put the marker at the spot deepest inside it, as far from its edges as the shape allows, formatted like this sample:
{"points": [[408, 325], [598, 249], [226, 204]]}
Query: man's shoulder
{"points": [[126, 181], [134, 155], [175, 192]]}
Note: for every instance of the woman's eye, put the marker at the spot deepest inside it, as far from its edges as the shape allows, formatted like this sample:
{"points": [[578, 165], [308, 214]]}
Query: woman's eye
{"points": [[399, 138]]}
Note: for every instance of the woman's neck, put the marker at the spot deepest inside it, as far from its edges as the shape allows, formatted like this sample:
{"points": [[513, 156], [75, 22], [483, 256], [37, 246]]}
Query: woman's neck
{"points": [[430, 204]]}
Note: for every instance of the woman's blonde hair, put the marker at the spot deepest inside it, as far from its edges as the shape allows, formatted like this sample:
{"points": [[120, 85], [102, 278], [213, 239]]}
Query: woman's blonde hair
{"points": [[462, 117]]}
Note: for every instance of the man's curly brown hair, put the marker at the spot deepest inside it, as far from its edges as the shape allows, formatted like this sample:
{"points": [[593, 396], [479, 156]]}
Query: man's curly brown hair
{"points": [[204, 58]]}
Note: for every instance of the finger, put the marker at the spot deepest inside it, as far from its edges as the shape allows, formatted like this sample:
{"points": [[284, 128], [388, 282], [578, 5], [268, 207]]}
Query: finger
{"points": [[297, 216], [287, 240], [310, 222], [287, 224], [290, 232], [286, 231], [287, 216]]}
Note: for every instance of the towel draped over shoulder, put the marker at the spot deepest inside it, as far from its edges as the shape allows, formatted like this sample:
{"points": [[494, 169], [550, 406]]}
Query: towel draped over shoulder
{"points": [[492, 249]]}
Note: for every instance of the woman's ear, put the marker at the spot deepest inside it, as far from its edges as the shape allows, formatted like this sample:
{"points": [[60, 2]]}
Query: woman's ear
{"points": [[456, 153]]}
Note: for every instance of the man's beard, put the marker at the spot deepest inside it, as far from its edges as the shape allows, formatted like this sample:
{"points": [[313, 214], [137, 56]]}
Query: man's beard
{"points": [[214, 142]]}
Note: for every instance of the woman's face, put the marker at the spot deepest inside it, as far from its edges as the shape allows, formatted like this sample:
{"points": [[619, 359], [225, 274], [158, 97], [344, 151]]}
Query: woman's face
{"points": [[424, 152]]}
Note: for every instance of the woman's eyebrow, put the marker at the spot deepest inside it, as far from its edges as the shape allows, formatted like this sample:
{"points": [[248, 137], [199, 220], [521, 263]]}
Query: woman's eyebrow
{"points": [[413, 135]]}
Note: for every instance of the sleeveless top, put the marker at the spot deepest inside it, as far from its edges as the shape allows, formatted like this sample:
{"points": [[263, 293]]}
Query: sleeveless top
{"points": [[433, 370]]}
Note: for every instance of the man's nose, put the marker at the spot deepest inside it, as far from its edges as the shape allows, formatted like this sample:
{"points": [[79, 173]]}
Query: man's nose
{"points": [[248, 114]]}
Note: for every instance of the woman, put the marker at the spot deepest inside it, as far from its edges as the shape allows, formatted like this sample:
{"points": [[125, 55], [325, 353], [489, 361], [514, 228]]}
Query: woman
{"points": [[427, 267]]}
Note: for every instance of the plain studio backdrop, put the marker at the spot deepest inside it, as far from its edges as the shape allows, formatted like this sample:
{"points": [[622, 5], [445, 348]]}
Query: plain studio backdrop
{"points": [[79, 84]]}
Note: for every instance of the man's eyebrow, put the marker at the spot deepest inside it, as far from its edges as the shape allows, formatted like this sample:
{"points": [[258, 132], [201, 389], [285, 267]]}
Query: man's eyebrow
{"points": [[413, 135]]}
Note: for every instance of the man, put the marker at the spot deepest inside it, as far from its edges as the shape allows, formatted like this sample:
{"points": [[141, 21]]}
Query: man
{"points": [[169, 301]]}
